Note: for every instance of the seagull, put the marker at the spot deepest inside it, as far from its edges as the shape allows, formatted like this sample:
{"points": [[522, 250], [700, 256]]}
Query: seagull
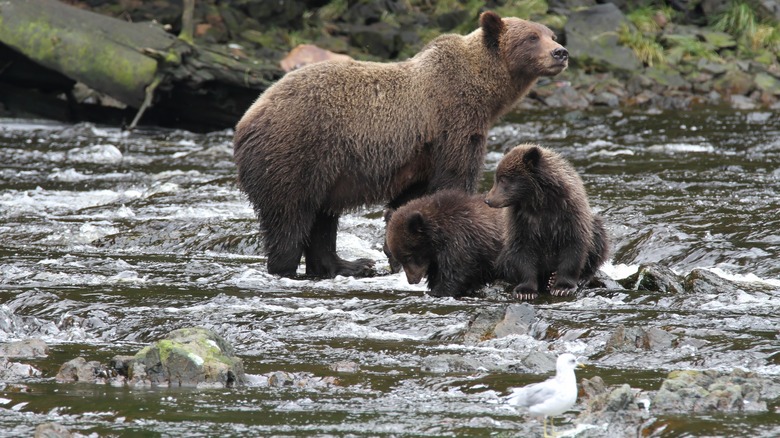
{"points": [[552, 397]]}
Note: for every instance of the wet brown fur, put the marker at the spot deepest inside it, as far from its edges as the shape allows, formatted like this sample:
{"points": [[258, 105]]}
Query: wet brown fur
{"points": [[336, 135], [450, 237], [552, 235]]}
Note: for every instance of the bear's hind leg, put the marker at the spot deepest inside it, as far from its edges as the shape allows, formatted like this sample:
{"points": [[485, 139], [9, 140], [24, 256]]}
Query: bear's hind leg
{"points": [[321, 257]]}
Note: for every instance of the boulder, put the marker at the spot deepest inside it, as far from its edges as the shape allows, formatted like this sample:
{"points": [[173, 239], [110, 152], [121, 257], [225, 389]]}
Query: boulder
{"points": [[79, 370], [592, 38], [710, 391], [655, 278], [378, 39], [192, 357], [637, 338], [27, 348], [501, 321], [13, 371]]}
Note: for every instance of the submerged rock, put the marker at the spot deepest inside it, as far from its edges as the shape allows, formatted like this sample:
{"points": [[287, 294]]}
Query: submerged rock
{"points": [[655, 278], [501, 321], [54, 430], [80, 370], [637, 338], [195, 357], [711, 391], [620, 411], [13, 371], [280, 379], [27, 348]]}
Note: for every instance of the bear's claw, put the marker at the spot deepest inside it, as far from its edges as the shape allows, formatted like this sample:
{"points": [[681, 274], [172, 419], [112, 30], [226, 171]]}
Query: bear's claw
{"points": [[557, 292]]}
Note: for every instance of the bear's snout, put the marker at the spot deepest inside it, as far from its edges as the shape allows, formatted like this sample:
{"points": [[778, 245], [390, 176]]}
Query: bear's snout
{"points": [[560, 54]]}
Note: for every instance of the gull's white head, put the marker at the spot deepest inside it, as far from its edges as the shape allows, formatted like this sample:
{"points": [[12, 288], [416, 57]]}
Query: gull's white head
{"points": [[567, 362]]}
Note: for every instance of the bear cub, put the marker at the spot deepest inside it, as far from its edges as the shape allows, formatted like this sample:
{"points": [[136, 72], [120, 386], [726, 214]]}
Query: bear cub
{"points": [[554, 242], [450, 237]]}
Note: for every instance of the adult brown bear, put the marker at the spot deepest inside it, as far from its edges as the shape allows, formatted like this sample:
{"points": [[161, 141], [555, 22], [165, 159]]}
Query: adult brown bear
{"points": [[336, 135]]}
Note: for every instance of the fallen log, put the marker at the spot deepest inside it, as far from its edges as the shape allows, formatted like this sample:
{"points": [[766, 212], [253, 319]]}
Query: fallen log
{"points": [[205, 87]]}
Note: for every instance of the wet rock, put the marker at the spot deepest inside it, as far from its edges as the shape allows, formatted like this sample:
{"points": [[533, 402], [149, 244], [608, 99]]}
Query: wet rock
{"points": [[27, 348], [567, 97], [701, 281], [620, 411], [605, 98], [447, 363], [345, 367], [603, 281], [538, 362], [193, 357], [379, 39], [498, 322], [637, 338], [591, 38], [655, 278], [80, 370], [280, 379], [667, 78], [734, 82], [54, 430], [274, 12], [13, 371], [742, 102], [710, 391], [768, 83]]}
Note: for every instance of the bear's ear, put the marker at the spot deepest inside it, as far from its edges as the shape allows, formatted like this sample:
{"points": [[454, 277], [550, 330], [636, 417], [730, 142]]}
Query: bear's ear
{"points": [[531, 157], [415, 223], [492, 25]]}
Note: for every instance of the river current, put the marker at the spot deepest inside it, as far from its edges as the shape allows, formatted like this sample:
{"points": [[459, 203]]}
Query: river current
{"points": [[109, 240]]}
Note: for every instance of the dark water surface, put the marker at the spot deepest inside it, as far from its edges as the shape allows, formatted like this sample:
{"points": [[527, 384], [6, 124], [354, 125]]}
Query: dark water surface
{"points": [[109, 241]]}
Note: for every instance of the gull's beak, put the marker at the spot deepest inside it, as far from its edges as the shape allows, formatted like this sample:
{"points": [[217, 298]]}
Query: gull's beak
{"points": [[581, 362]]}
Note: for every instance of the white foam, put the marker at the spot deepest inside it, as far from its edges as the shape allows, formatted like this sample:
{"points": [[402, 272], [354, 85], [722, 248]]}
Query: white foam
{"points": [[672, 148]]}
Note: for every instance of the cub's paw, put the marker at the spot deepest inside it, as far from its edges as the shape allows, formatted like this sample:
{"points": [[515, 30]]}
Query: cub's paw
{"points": [[524, 294], [562, 292]]}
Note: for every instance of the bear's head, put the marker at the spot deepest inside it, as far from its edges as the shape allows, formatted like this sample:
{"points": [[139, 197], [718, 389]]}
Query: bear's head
{"points": [[409, 243], [529, 49], [519, 178]]}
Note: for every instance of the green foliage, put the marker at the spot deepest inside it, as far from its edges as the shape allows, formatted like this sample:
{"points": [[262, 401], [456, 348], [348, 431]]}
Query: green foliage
{"points": [[647, 49], [333, 10], [766, 36], [686, 47], [739, 19], [527, 10], [644, 19]]}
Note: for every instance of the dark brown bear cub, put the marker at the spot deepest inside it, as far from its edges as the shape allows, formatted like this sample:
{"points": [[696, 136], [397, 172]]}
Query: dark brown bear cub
{"points": [[333, 136], [554, 242], [451, 238]]}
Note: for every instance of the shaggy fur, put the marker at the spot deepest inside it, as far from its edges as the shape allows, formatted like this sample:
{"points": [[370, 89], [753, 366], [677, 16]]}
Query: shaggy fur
{"points": [[332, 136], [450, 237], [553, 240]]}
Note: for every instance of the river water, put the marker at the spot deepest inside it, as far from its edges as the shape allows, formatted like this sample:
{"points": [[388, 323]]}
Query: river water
{"points": [[110, 240]]}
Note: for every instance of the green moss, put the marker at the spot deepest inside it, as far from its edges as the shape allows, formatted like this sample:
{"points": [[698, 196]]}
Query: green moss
{"points": [[114, 69], [528, 10]]}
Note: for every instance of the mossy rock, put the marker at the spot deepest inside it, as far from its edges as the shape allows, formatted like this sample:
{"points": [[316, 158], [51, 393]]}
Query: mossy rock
{"points": [[768, 83], [191, 357]]}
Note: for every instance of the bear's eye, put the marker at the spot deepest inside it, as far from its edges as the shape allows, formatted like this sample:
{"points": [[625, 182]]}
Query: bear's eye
{"points": [[533, 38]]}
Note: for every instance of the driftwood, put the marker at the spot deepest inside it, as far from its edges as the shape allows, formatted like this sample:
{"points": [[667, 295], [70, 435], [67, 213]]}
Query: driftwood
{"points": [[133, 63]]}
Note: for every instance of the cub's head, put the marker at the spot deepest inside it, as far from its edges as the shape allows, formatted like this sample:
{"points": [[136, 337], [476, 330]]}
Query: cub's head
{"points": [[408, 242], [517, 181], [529, 49]]}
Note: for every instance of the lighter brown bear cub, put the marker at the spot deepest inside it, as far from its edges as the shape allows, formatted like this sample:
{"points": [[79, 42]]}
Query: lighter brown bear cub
{"points": [[451, 238], [333, 136], [554, 242]]}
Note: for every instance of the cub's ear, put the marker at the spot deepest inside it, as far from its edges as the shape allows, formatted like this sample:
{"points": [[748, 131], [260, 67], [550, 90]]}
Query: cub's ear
{"points": [[492, 26], [415, 223], [532, 156]]}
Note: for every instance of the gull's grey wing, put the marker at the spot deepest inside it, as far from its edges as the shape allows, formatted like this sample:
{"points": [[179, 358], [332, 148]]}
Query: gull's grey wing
{"points": [[532, 394]]}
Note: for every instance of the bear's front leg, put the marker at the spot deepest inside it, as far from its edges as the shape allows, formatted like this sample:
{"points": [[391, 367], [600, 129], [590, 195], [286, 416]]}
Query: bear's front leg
{"points": [[522, 270], [568, 271]]}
